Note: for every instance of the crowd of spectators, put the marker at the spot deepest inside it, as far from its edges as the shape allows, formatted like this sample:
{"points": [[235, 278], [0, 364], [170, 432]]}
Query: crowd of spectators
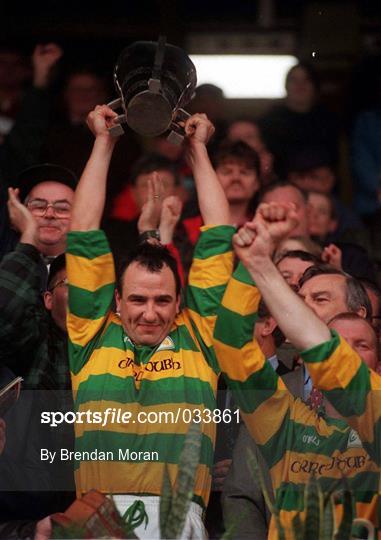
{"points": [[282, 296]]}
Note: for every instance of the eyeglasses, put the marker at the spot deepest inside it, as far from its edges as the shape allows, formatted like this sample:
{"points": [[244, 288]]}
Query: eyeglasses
{"points": [[62, 282], [39, 207]]}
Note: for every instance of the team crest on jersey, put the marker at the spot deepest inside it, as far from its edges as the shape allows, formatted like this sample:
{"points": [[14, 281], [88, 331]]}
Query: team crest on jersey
{"points": [[166, 345], [354, 440]]}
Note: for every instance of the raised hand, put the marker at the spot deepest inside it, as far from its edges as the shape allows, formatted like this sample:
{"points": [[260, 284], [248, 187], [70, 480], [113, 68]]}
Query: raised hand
{"points": [[198, 129], [100, 119], [170, 215], [332, 255], [21, 219], [44, 58], [258, 238], [150, 215]]}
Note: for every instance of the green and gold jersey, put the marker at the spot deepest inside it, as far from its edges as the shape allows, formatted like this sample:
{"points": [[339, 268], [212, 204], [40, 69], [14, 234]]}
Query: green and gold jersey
{"points": [[295, 441], [109, 371], [352, 388]]}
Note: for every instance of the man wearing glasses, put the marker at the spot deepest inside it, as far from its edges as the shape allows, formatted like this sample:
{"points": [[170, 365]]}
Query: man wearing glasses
{"points": [[33, 344], [47, 191]]}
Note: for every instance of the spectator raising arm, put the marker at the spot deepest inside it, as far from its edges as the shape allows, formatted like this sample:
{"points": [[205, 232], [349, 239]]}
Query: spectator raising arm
{"points": [[254, 245]]}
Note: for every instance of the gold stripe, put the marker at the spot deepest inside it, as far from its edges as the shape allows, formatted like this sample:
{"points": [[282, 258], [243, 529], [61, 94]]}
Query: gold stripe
{"points": [[205, 326], [129, 477], [241, 298], [289, 468], [111, 360], [268, 417], [210, 272], [338, 370], [90, 274], [173, 425], [81, 331], [240, 364]]}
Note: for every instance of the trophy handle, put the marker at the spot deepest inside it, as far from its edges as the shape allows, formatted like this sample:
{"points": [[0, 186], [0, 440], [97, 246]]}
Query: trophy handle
{"points": [[117, 129], [177, 134]]}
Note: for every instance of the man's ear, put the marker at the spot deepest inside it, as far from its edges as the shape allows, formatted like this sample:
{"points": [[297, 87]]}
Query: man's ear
{"points": [[362, 312], [269, 326], [48, 300], [118, 301]]}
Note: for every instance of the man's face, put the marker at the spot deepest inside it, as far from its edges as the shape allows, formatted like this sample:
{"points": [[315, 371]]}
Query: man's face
{"points": [[148, 305], [239, 182], [51, 228], [320, 215], [56, 299], [83, 92], [292, 269], [360, 337], [246, 132], [140, 189], [289, 194], [319, 179], [299, 87], [325, 295]]}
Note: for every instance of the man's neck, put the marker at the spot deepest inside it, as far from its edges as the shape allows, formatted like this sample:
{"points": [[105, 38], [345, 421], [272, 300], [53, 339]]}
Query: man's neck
{"points": [[51, 250], [239, 213], [297, 106]]}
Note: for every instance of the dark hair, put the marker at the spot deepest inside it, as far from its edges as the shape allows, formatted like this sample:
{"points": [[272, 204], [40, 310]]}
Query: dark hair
{"points": [[371, 285], [149, 163], [264, 313], [281, 184], [299, 254], [356, 296], [236, 151], [311, 73], [153, 257], [56, 266]]}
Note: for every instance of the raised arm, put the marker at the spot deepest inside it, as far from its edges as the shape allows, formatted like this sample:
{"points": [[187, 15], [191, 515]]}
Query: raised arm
{"points": [[261, 395], [212, 201], [254, 245], [21, 307], [335, 368], [90, 194]]}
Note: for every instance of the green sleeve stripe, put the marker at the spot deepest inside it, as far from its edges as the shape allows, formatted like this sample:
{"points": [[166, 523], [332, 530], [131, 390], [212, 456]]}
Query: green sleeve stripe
{"points": [[108, 387], [214, 241], [90, 304], [168, 445], [204, 301], [233, 329], [352, 400], [323, 351], [79, 355], [241, 274], [208, 352], [187, 343], [257, 389], [274, 449], [87, 244], [374, 448]]}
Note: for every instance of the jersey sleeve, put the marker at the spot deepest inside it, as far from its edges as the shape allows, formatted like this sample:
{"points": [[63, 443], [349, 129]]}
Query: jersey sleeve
{"points": [[211, 269], [91, 277], [264, 401], [352, 388]]}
